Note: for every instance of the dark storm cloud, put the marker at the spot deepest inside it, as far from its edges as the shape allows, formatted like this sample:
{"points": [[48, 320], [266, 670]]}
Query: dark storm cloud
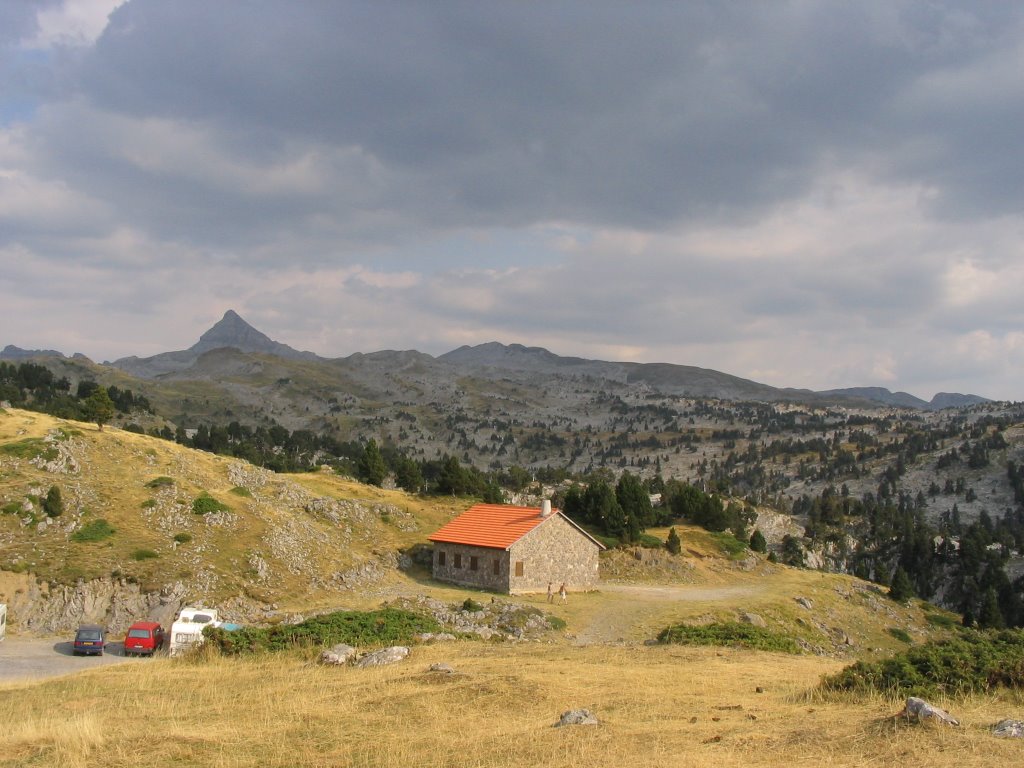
{"points": [[593, 112]]}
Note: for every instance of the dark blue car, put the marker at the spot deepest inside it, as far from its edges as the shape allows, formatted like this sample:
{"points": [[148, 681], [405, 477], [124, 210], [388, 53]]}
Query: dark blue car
{"points": [[89, 639]]}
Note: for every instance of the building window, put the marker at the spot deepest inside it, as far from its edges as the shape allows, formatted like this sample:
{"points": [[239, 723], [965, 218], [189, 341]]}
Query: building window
{"points": [[474, 562], [519, 567], [458, 560], [441, 559], [497, 566]]}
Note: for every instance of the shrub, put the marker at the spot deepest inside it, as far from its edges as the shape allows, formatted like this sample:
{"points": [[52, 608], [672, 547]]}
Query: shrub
{"points": [[732, 546], [204, 504], [387, 626], [901, 589], [144, 554], [973, 662], [11, 508], [160, 482], [556, 622], [29, 448], [240, 491], [53, 505], [94, 530], [471, 605], [647, 541], [148, 504], [183, 538], [900, 634], [729, 633], [942, 620]]}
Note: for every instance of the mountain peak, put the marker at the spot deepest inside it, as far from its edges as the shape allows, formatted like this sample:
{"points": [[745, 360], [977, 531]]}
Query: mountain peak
{"points": [[232, 331]]}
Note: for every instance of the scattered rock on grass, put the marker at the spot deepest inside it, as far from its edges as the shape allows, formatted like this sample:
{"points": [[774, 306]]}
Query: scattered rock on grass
{"points": [[921, 710], [577, 717], [338, 655], [384, 656], [1010, 729]]}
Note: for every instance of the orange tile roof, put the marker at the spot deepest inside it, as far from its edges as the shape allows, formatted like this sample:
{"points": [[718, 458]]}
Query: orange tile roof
{"points": [[491, 525]]}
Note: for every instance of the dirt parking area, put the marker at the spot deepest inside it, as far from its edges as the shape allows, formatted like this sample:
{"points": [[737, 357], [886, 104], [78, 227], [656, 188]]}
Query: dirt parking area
{"points": [[32, 658]]}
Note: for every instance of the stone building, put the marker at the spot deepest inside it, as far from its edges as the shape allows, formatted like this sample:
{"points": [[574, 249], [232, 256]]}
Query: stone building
{"points": [[515, 550]]}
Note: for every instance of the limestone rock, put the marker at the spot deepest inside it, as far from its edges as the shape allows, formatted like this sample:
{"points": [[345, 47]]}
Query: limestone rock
{"points": [[753, 619], [921, 710], [383, 657], [577, 717], [442, 668], [1010, 729], [338, 655], [805, 602]]}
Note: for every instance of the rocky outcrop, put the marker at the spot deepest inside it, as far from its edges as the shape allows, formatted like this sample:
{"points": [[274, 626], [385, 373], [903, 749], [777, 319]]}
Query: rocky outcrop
{"points": [[44, 608], [383, 657]]}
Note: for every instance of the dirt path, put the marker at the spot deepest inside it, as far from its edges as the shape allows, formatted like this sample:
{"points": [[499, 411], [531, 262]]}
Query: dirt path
{"points": [[626, 611]]}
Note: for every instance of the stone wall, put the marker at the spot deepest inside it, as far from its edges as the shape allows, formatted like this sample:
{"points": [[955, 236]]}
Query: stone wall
{"points": [[557, 552], [483, 577]]}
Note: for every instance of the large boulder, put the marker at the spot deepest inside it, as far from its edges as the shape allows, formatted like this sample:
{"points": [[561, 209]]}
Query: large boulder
{"points": [[338, 655], [577, 717], [384, 656]]}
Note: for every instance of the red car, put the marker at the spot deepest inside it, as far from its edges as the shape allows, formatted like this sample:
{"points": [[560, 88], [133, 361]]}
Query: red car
{"points": [[144, 638]]}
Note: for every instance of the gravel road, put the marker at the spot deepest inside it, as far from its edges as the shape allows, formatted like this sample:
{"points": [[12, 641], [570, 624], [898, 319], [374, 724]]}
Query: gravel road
{"points": [[33, 658]]}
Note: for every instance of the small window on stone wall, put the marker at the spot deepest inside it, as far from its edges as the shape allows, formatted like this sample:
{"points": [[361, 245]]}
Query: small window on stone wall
{"points": [[458, 560], [519, 567], [474, 562], [497, 566], [441, 559]]}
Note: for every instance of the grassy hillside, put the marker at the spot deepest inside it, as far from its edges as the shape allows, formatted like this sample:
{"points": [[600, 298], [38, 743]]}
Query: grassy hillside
{"points": [[130, 512]]}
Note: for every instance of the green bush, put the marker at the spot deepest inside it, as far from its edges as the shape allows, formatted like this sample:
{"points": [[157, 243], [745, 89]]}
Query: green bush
{"points": [[673, 544], [11, 508], [556, 622], [647, 541], [183, 538], [972, 662], [387, 626], [29, 448], [942, 620], [148, 504], [94, 530], [471, 605], [900, 634], [733, 547], [729, 633], [204, 504], [144, 554], [240, 491], [160, 482]]}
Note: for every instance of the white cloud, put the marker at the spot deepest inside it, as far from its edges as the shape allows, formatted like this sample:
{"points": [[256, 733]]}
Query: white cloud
{"points": [[72, 23]]}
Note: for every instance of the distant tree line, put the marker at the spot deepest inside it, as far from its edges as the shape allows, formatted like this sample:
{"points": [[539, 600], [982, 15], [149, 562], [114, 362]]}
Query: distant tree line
{"points": [[35, 387]]}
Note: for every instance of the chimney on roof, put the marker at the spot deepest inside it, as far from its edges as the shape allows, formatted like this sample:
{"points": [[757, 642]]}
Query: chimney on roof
{"points": [[545, 508]]}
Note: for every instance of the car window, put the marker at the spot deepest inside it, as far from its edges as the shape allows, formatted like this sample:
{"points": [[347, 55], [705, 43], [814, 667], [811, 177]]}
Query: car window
{"points": [[89, 634], [144, 633]]}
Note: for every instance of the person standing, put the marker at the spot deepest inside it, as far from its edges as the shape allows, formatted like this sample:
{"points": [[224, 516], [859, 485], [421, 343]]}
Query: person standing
{"points": [[562, 593], [551, 593]]}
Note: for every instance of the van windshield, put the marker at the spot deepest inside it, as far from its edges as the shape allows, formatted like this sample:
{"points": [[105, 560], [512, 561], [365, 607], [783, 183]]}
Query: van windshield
{"points": [[138, 633]]}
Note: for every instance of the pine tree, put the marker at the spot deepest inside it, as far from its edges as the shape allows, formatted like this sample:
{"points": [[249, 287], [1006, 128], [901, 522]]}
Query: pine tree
{"points": [[757, 541], [99, 407], [901, 589], [371, 469], [991, 615], [673, 544]]}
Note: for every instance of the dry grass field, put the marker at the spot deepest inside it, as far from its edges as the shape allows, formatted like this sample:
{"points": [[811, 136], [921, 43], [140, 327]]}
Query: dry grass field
{"points": [[657, 706]]}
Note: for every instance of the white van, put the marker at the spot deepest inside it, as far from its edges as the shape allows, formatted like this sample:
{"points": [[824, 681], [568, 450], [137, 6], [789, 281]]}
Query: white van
{"points": [[187, 629]]}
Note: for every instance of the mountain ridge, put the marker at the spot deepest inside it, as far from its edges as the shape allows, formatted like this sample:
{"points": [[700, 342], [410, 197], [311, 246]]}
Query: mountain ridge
{"points": [[492, 358]]}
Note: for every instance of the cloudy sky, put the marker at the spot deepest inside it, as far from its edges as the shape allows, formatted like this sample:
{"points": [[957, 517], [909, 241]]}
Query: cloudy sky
{"points": [[808, 194]]}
